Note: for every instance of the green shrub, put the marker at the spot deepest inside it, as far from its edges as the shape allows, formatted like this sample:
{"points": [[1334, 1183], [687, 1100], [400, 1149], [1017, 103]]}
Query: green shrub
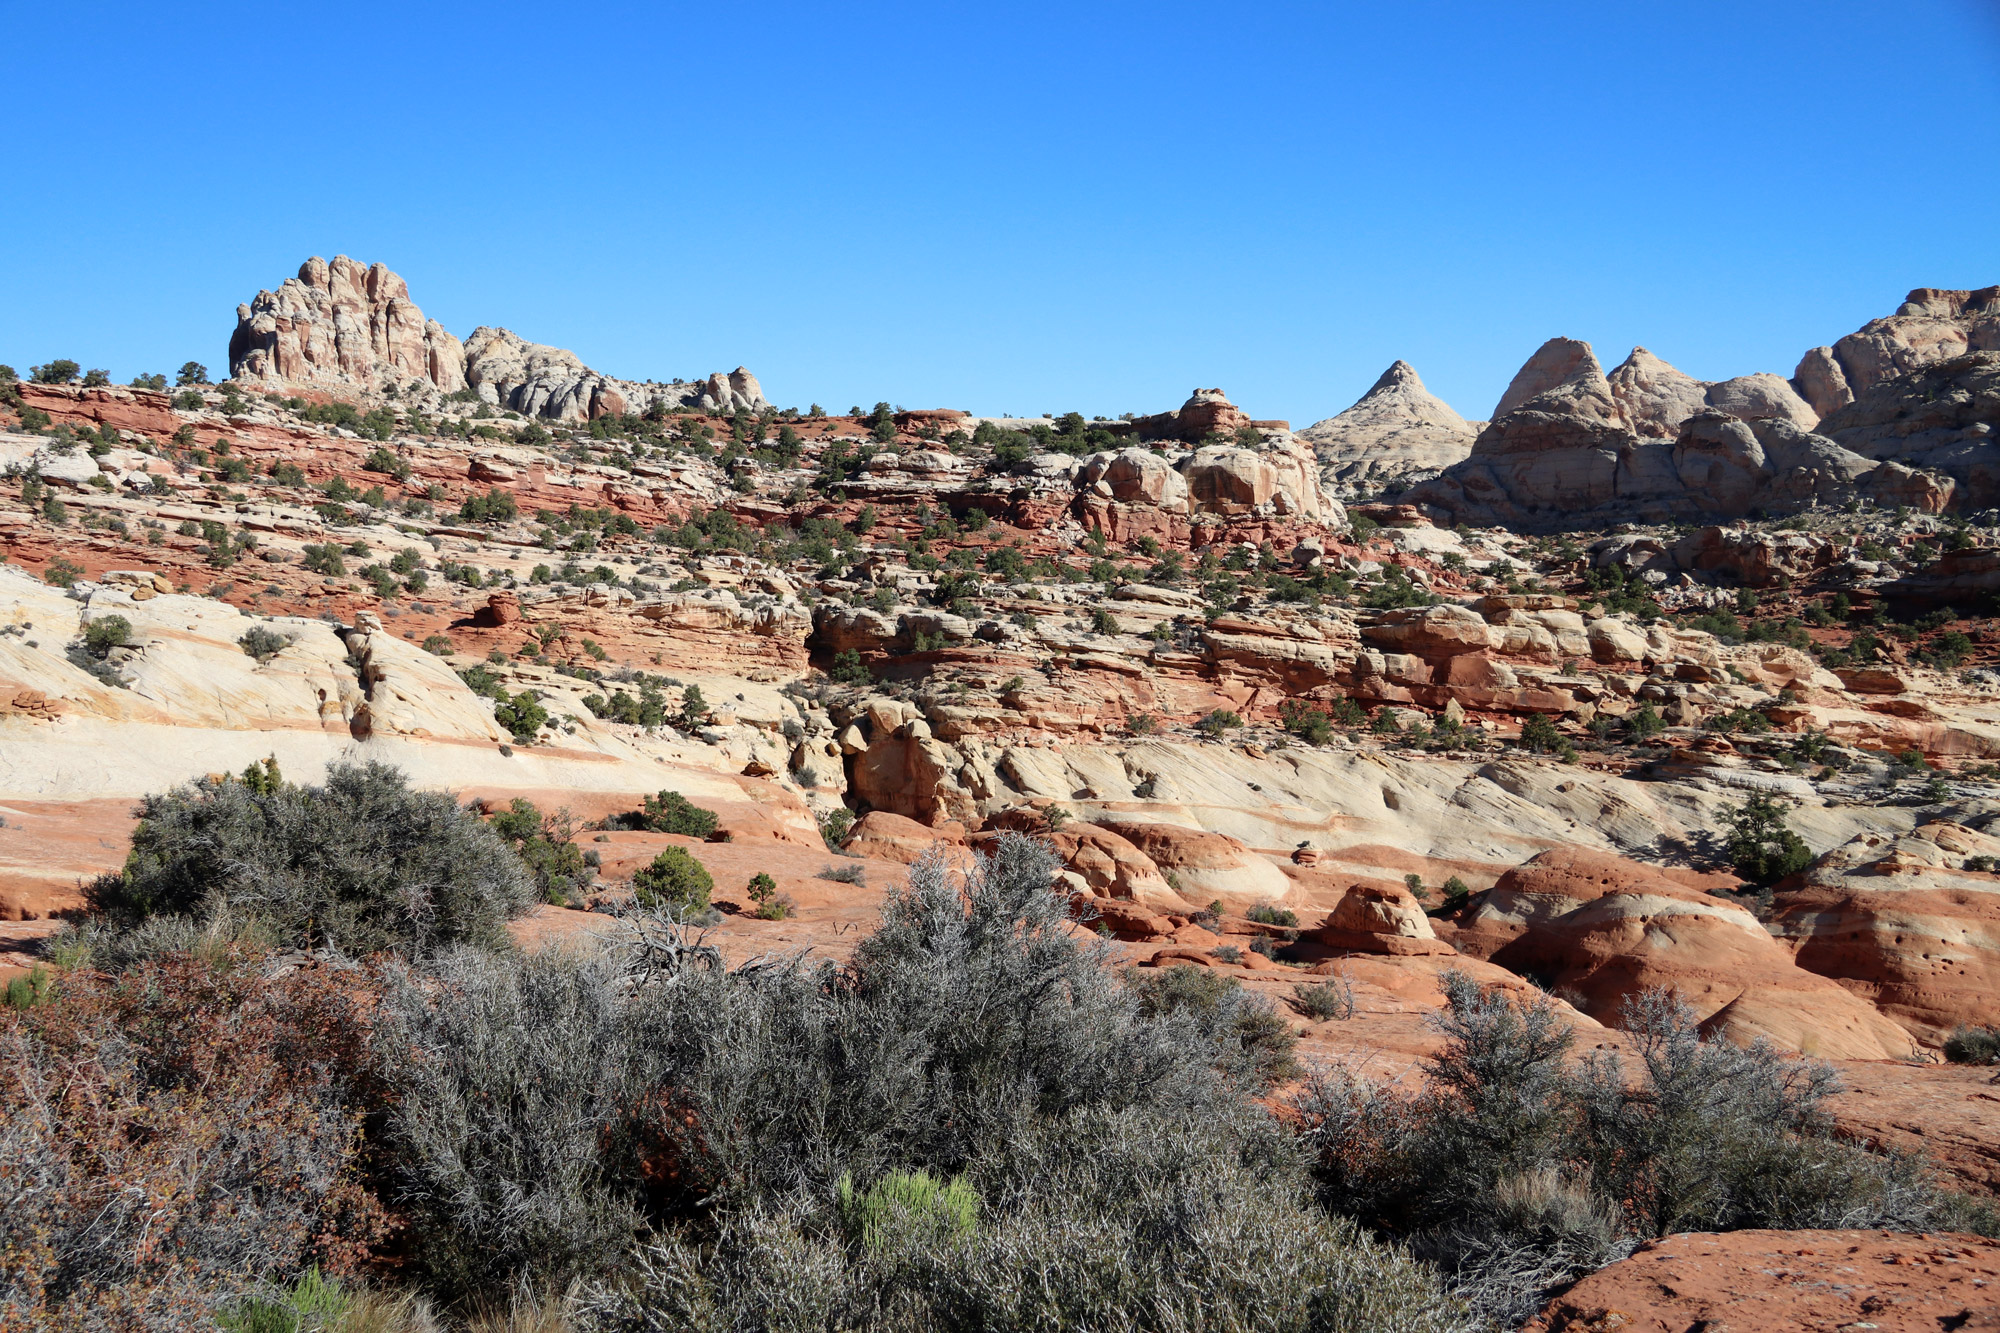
{"points": [[547, 847], [262, 643], [903, 1201], [834, 826], [671, 812], [104, 633], [1217, 722], [361, 864], [676, 881], [33, 987], [1309, 724], [1271, 914], [1973, 1046], [522, 715], [1762, 846]]}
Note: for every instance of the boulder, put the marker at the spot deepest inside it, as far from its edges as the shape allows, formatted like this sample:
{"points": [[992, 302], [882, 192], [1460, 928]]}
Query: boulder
{"points": [[1379, 918], [882, 836], [1136, 476]]}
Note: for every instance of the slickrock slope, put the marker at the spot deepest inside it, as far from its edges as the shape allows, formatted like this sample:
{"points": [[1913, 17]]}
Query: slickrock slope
{"points": [[1903, 923], [342, 327], [1943, 416], [1397, 434]]}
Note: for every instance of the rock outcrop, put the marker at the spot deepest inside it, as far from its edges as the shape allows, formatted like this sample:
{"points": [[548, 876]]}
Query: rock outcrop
{"points": [[1785, 1282], [1904, 924], [1563, 452], [1399, 433], [1657, 398], [342, 325], [1606, 929], [1942, 417], [549, 382], [347, 327], [1931, 325]]}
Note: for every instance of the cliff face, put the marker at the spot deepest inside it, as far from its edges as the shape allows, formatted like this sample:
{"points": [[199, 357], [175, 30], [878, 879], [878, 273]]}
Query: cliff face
{"points": [[343, 326]]}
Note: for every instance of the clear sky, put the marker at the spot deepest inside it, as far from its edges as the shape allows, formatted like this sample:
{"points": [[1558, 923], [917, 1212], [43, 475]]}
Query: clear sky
{"points": [[1017, 208]]}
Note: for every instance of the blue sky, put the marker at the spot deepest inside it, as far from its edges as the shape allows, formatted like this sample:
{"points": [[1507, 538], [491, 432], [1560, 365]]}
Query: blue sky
{"points": [[1016, 208]]}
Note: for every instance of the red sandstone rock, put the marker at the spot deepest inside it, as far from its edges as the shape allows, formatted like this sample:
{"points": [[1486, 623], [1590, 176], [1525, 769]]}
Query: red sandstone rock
{"points": [[1605, 929], [1787, 1281], [891, 837]]}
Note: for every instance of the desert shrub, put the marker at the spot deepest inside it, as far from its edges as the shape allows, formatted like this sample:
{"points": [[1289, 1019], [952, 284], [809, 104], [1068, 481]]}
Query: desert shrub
{"points": [[834, 826], [1311, 725], [170, 1133], [1762, 846], [1973, 1046], [1540, 736], [855, 874], [1271, 914], [33, 987], [547, 847], [1252, 1040], [1151, 1230], [973, 1124], [359, 864], [770, 904], [671, 812], [262, 643], [674, 880], [1218, 722], [505, 1075], [1515, 1167], [103, 634], [1323, 1000]]}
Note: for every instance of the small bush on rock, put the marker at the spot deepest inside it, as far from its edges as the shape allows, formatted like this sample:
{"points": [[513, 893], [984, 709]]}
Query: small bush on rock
{"points": [[676, 881], [671, 812], [1973, 1046]]}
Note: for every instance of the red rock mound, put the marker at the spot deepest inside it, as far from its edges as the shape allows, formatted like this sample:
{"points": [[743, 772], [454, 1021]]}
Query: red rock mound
{"points": [[1606, 928]]}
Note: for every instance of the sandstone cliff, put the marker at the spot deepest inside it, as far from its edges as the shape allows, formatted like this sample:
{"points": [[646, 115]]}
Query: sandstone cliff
{"points": [[1931, 325], [341, 325]]}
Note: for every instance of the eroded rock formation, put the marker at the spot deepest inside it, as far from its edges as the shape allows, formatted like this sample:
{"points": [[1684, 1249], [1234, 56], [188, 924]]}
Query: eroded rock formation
{"points": [[342, 326], [1398, 433]]}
